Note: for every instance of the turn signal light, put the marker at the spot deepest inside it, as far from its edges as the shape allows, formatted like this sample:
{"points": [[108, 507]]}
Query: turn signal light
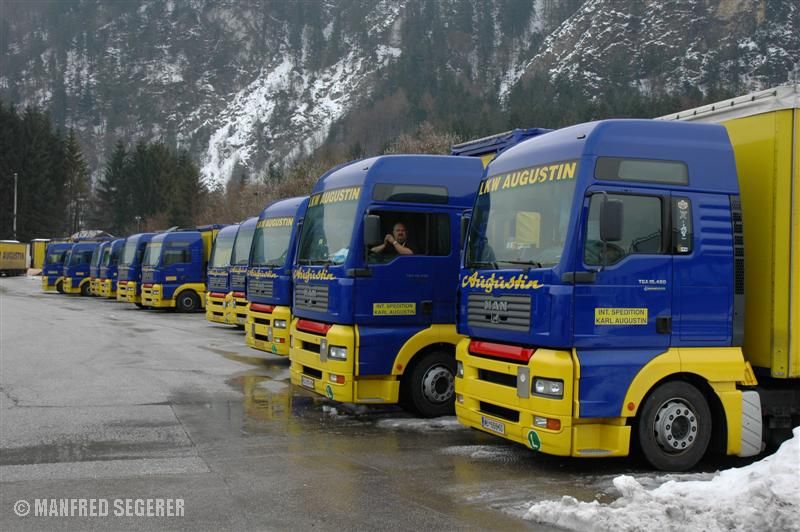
{"points": [[547, 423], [336, 379]]}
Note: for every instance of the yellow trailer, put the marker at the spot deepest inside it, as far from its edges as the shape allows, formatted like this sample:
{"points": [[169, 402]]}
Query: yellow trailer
{"points": [[13, 257], [38, 251]]}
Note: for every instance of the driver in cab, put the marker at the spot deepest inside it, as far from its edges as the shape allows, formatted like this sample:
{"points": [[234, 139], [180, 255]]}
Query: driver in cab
{"points": [[395, 243]]}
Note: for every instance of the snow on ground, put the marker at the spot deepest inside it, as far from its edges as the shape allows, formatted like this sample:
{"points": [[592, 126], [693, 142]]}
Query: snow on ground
{"points": [[761, 496], [490, 453], [422, 425]]}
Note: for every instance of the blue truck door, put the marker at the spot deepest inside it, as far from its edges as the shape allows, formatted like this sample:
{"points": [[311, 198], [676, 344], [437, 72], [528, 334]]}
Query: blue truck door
{"points": [[397, 299], [628, 304]]}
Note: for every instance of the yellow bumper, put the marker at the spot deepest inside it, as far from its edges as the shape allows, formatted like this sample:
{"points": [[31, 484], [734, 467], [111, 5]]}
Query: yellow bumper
{"points": [[236, 312], [153, 296], [336, 379], [129, 293], [261, 334], [94, 287], [215, 308], [73, 286], [47, 287], [107, 288], [488, 398]]}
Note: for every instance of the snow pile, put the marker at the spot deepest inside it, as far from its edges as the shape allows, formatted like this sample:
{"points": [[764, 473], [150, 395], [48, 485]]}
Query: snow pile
{"points": [[762, 496], [422, 425]]}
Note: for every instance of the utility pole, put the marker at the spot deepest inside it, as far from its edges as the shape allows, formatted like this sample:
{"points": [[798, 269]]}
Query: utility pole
{"points": [[15, 205]]}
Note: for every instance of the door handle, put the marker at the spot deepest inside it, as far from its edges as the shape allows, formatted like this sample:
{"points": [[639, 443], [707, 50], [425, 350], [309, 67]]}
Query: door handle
{"points": [[664, 325]]}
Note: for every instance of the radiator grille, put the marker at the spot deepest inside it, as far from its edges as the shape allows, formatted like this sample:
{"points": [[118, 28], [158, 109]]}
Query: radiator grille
{"points": [[507, 312], [311, 297]]}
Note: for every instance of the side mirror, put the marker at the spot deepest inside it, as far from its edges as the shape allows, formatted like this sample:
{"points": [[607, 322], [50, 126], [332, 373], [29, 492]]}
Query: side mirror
{"points": [[372, 230], [464, 228], [611, 217]]}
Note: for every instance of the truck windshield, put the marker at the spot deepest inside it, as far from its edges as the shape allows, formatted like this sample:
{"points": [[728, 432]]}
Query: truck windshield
{"points": [[271, 241], [106, 258], [521, 218], [77, 258], [129, 253], [151, 254], [241, 248], [221, 253], [328, 227], [96, 256], [56, 257]]}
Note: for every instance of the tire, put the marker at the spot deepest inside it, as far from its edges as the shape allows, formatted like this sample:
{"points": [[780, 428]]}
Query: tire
{"points": [[86, 289], [429, 389], [139, 305], [674, 427], [60, 287], [187, 301]]}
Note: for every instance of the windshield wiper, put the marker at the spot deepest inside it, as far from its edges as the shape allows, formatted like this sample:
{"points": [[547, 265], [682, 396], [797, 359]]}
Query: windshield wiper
{"points": [[535, 264]]}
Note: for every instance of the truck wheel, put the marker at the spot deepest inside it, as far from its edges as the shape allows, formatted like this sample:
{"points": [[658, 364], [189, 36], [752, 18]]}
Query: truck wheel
{"points": [[139, 305], [430, 387], [675, 427], [86, 290], [187, 301], [60, 287]]}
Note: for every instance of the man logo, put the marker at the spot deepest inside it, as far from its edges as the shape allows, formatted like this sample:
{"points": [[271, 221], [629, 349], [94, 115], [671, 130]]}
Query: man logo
{"points": [[494, 308]]}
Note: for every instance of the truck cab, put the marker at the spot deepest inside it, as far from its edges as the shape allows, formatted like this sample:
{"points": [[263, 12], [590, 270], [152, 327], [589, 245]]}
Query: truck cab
{"points": [[269, 275], [602, 299], [174, 269], [94, 269], [218, 274], [129, 281], [77, 266], [53, 269], [374, 311], [109, 268], [236, 308]]}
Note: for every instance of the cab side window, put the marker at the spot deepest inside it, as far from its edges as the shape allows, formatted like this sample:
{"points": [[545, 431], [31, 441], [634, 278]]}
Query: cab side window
{"points": [[425, 233], [642, 229], [176, 253]]}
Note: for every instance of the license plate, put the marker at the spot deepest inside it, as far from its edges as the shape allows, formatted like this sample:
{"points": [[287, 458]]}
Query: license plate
{"points": [[307, 382], [494, 426]]}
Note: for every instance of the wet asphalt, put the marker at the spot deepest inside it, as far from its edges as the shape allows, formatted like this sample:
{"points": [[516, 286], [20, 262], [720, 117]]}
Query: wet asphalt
{"points": [[101, 400]]}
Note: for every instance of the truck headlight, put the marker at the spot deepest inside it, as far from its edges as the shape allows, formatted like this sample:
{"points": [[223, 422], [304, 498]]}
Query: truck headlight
{"points": [[459, 368], [548, 387], [337, 352], [279, 324]]}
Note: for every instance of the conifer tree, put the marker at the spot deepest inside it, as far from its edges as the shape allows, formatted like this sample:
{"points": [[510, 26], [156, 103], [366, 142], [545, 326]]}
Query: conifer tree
{"points": [[76, 183]]}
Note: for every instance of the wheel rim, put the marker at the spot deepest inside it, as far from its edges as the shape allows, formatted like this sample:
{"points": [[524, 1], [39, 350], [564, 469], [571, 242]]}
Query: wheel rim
{"points": [[188, 302], [438, 384], [675, 426]]}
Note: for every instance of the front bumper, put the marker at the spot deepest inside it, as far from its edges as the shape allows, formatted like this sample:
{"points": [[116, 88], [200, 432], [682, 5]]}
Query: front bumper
{"points": [[237, 310], [332, 378], [262, 335], [47, 286], [108, 288], [72, 286], [216, 307], [153, 296], [491, 398]]}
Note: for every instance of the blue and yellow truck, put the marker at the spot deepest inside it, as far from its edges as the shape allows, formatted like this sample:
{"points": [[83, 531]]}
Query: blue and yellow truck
{"points": [[236, 302], [77, 265], [174, 268], [53, 270], [129, 280], [374, 277], [632, 284], [94, 269], [218, 274], [109, 268], [269, 276]]}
